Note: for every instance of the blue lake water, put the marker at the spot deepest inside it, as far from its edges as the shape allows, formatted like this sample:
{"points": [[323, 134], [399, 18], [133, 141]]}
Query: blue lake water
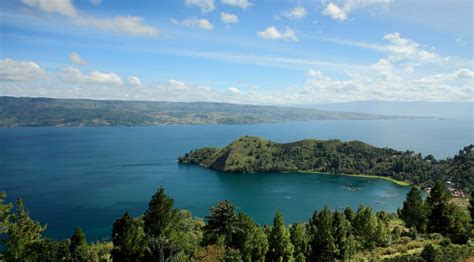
{"points": [[88, 177]]}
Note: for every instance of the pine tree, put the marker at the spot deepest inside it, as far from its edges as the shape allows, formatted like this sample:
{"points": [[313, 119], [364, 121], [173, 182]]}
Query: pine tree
{"points": [[128, 237], [5, 214], [364, 227], [344, 240], [322, 245], [280, 247], [414, 212], [438, 202], [299, 239], [221, 222], [159, 215], [22, 233], [78, 246], [256, 245]]}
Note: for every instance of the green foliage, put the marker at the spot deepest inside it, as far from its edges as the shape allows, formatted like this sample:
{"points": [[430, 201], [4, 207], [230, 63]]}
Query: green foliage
{"points": [[365, 227], [343, 238], [221, 222], [323, 246], [187, 232], [438, 201], [128, 238], [256, 155], [471, 206], [159, 215], [280, 246], [414, 211], [23, 234], [5, 213], [300, 239], [78, 246]]}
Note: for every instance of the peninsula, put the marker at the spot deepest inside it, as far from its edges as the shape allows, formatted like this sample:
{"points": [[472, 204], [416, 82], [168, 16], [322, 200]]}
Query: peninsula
{"points": [[256, 155]]}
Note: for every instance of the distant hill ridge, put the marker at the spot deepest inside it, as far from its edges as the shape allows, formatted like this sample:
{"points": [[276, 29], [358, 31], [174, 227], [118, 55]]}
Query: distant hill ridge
{"points": [[256, 155], [26, 111]]}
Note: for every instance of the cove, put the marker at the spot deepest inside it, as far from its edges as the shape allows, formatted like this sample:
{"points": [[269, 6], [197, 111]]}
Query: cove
{"points": [[88, 177]]}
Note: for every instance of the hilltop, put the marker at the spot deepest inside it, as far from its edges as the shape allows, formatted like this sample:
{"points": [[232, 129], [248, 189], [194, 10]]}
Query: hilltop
{"points": [[256, 155], [26, 111]]}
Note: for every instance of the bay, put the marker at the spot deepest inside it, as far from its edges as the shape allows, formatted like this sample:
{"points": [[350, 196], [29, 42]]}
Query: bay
{"points": [[90, 176]]}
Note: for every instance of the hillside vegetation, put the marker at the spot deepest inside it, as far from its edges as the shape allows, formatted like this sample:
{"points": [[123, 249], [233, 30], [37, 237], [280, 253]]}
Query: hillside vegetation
{"points": [[25, 111], [256, 155]]}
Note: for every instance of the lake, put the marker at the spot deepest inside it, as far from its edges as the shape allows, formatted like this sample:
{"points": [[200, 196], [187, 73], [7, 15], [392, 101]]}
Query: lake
{"points": [[88, 177]]}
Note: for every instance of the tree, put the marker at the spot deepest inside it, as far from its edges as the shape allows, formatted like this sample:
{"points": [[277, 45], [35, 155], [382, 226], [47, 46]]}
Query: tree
{"points": [[256, 245], [438, 202], [221, 222], [344, 240], [322, 245], [23, 233], [349, 213], [128, 237], [5, 213], [78, 246], [414, 211], [159, 215], [299, 239], [364, 226], [280, 247]]}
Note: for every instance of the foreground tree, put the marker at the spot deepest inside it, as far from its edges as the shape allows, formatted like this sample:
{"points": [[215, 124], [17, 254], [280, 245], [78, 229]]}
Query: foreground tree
{"points": [[414, 211], [343, 238], [23, 234], [221, 223], [365, 226], [438, 202], [299, 239], [322, 244], [5, 213], [159, 215], [128, 237], [78, 246], [280, 247]]}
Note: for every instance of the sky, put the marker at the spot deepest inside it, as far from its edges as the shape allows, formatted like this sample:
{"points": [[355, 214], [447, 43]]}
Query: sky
{"points": [[280, 52]]}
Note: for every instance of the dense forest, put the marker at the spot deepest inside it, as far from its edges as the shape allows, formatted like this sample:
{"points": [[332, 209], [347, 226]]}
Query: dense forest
{"points": [[434, 229], [26, 111], [256, 155]]}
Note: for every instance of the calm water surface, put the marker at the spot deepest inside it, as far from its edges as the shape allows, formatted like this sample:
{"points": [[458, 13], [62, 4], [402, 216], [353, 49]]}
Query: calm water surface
{"points": [[88, 177]]}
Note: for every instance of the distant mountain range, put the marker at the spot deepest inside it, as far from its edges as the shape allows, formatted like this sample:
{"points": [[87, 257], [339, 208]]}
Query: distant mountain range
{"points": [[26, 111], [430, 109]]}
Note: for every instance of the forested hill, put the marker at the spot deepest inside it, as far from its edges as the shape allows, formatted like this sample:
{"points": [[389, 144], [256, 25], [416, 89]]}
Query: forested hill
{"points": [[256, 155], [24, 111]]}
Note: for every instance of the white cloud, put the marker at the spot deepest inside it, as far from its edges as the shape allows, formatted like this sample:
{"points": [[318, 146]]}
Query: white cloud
{"points": [[341, 13], [244, 4], [63, 7], [74, 75], [206, 6], [12, 70], [229, 18], [76, 59], [134, 81], [233, 91], [194, 22], [96, 2], [272, 33], [132, 25], [298, 12], [403, 48]]}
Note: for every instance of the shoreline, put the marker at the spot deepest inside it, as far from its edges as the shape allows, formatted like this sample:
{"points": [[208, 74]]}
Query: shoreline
{"points": [[397, 182]]}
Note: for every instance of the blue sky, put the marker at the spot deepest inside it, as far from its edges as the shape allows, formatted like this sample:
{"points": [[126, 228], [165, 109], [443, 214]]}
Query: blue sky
{"points": [[241, 51]]}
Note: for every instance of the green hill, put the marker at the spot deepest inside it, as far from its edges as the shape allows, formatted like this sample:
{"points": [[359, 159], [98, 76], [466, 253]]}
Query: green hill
{"points": [[256, 155]]}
